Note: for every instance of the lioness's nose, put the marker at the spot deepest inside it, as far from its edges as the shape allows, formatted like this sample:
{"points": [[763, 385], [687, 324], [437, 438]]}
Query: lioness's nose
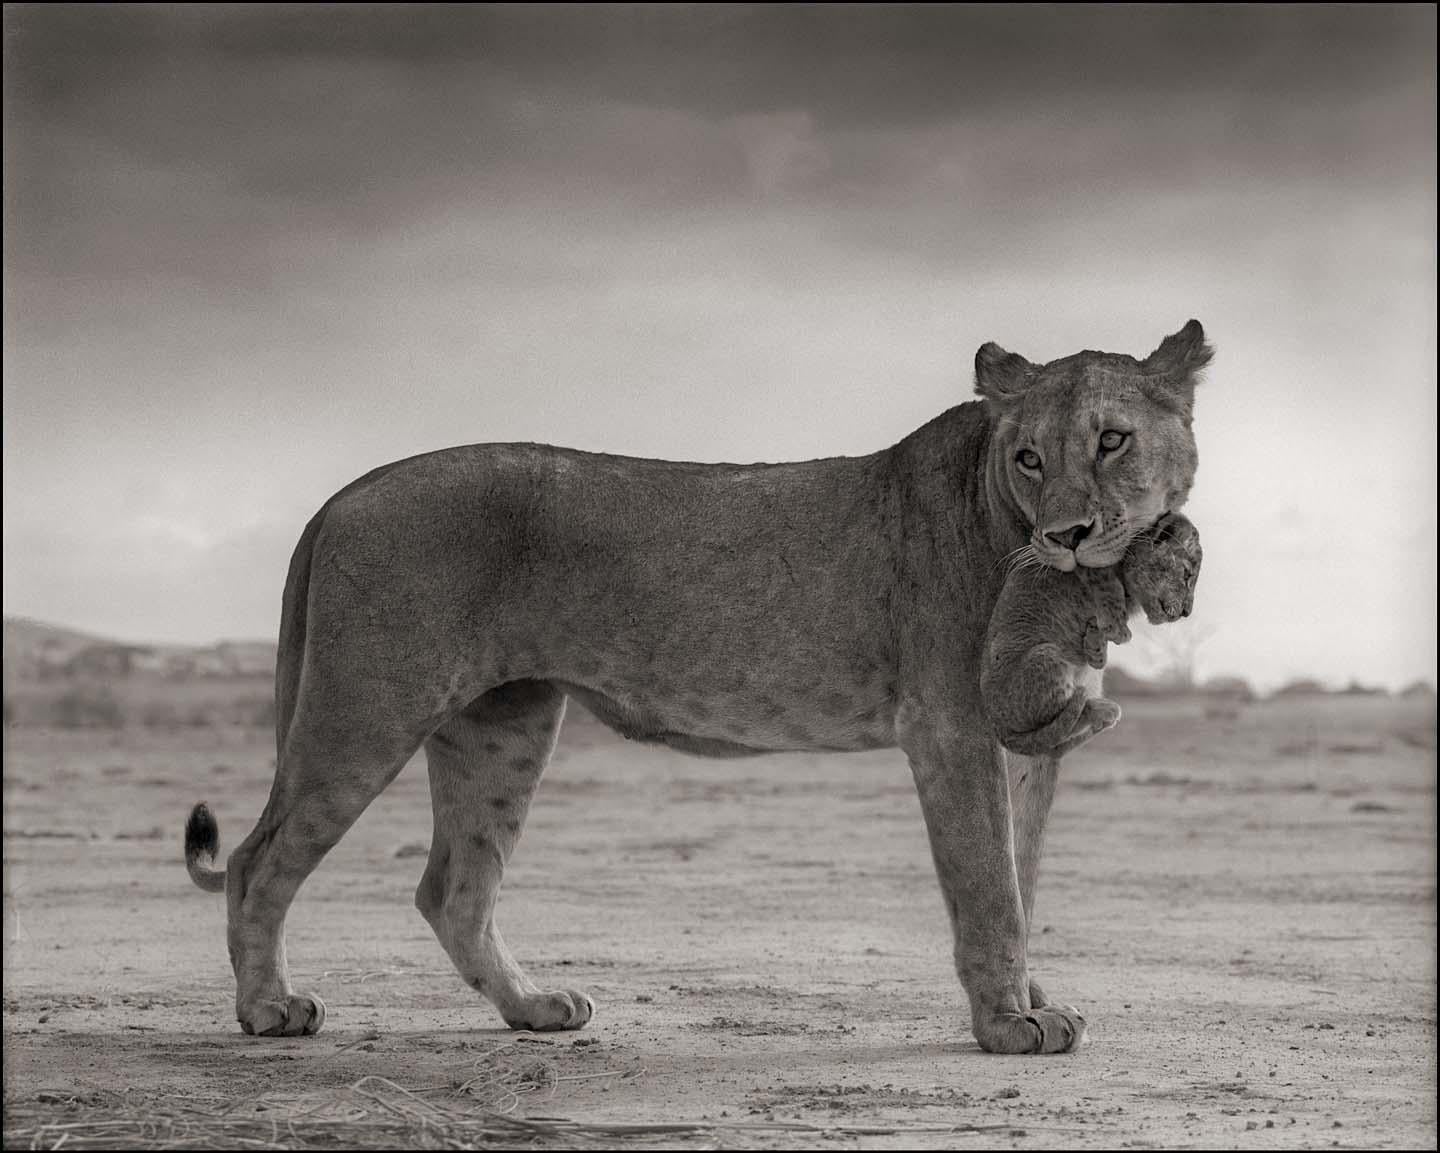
{"points": [[1070, 537]]}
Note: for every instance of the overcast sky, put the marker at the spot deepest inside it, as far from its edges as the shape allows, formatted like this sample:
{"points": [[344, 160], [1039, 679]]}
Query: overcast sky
{"points": [[253, 251]]}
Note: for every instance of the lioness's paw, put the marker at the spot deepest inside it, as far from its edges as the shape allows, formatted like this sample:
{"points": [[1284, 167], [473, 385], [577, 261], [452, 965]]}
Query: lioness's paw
{"points": [[546, 1012], [1049, 1029], [1061, 1028], [298, 1015]]}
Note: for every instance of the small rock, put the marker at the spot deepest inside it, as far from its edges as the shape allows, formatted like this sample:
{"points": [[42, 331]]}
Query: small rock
{"points": [[1008, 1092]]}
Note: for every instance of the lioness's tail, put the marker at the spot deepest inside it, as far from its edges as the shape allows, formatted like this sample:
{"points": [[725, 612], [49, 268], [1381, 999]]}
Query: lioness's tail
{"points": [[202, 840], [202, 834]]}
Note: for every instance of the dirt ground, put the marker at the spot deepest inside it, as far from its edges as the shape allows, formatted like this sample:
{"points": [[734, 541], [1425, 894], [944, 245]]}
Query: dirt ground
{"points": [[1241, 902]]}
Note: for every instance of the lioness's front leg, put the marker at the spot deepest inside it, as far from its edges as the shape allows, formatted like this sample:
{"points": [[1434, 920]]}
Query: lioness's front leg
{"points": [[1032, 792], [960, 774]]}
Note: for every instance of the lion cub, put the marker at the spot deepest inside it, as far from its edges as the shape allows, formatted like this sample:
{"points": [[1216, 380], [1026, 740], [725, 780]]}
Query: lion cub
{"points": [[1049, 626]]}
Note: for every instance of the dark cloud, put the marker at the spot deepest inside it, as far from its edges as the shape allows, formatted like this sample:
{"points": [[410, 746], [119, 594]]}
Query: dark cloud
{"points": [[882, 64], [362, 107], [235, 118]]}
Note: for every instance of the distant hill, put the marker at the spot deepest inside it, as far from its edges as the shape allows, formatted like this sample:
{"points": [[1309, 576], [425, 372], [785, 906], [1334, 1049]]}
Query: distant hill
{"points": [[36, 651], [33, 645], [62, 678]]}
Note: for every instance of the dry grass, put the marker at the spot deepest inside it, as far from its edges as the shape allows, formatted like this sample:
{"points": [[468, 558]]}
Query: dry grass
{"points": [[475, 1110]]}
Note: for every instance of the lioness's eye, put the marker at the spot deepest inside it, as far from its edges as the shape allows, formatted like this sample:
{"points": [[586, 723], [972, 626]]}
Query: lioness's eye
{"points": [[1110, 440], [1029, 459]]}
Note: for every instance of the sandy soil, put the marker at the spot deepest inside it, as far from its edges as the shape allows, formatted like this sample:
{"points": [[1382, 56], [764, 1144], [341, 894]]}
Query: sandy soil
{"points": [[1242, 904]]}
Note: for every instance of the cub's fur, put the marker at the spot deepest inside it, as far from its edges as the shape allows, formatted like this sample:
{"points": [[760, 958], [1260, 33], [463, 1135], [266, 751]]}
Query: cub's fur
{"points": [[455, 600], [1050, 630]]}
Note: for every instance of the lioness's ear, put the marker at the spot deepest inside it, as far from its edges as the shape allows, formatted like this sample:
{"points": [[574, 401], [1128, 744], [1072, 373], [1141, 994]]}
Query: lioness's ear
{"points": [[1181, 355], [1001, 376], [1174, 367]]}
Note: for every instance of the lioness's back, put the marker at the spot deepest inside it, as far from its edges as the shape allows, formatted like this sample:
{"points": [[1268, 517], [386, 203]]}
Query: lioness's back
{"points": [[546, 563]]}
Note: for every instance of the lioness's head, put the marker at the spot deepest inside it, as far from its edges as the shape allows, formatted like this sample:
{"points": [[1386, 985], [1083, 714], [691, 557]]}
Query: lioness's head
{"points": [[1094, 448]]}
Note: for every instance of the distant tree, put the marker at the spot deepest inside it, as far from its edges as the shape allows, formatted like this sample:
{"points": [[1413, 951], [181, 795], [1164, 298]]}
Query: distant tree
{"points": [[1301, 687], [104, 660], [1120, 682], [1228, 688], [88, 707], [1171, 652], [160, 715]]}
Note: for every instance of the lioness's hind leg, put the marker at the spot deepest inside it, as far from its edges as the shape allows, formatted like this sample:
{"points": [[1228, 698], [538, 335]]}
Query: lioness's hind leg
{"points": [[328, 773], [484, 766]]}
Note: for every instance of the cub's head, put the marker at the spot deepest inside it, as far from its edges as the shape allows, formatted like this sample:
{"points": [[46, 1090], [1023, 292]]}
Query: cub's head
{"points": [[1096, 447]]}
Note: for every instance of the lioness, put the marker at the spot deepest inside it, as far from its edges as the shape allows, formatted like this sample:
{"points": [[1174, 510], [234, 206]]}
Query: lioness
{"points": [[1049, 630], [456, 599]]}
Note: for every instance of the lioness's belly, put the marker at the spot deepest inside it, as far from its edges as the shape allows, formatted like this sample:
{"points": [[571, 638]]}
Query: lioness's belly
{"points": [[779, 717]]}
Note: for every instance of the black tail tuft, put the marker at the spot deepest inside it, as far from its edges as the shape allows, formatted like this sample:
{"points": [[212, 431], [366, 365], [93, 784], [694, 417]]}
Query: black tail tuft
{"points": [[202, 842], [202, 833]]}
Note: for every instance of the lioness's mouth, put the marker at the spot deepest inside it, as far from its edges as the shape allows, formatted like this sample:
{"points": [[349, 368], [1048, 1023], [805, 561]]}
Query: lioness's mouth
{"points": [[1101, 556], [1090, 554], [1060, 559]]}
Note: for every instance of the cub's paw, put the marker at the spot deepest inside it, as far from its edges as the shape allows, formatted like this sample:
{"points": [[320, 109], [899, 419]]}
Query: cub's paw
{"points": [[1100, 713], [1107, 598], [1051, 1029], [298, 1015], [1094, 644], [548, 1012]]}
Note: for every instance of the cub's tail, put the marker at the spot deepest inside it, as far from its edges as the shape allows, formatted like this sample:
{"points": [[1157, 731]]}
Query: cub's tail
{"points": [[202, 840]]}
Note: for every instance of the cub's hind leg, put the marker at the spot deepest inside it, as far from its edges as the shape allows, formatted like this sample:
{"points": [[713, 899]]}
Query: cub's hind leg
{"points": [[485, 763]]}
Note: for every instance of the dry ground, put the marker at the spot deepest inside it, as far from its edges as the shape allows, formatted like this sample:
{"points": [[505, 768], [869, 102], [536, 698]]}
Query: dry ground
{"points": [[1242, 904]]}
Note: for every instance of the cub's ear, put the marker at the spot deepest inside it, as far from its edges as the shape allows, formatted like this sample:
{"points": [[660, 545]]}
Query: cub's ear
{"points": [[1001, 376]]}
